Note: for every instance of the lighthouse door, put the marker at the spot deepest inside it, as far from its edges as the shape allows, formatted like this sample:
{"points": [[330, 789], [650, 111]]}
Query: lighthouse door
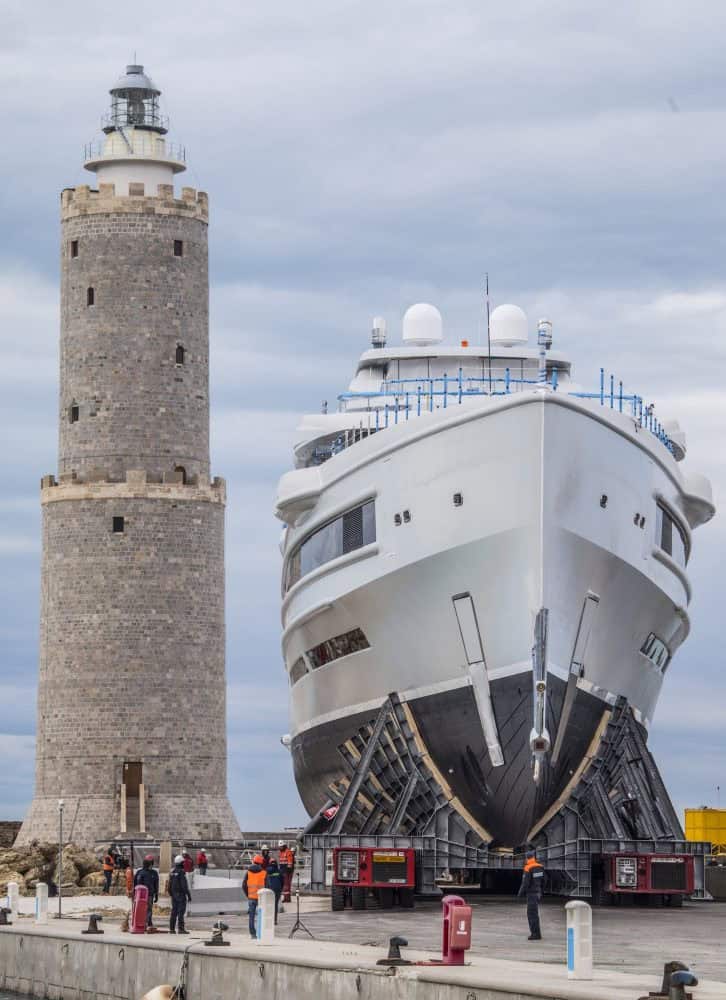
{"points": [[133, 783]]}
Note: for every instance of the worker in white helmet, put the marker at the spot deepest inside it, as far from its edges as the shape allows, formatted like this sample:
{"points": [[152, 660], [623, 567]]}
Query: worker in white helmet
{"points": [[180, 895]]}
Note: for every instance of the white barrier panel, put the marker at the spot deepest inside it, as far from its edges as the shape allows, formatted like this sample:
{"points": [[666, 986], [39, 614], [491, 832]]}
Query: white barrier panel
{"points": [[13, 900], [579, 940], [265, 919], [212, 895], [41, 903]]}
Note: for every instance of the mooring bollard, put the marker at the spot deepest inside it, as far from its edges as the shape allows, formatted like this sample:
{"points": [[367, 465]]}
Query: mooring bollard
{"points": [[14, 900], [41, 903], [456, 930], [265, 919], [579, 939], [138, 913]]}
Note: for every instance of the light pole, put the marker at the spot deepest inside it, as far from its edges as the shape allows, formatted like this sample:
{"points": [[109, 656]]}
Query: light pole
{"points": [[61, 803]]}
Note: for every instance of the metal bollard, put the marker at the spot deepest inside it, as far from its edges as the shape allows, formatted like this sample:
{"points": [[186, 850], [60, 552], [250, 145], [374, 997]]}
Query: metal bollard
{"points": [[265, 919], [14, 899], [579, 939], [41, 903]]}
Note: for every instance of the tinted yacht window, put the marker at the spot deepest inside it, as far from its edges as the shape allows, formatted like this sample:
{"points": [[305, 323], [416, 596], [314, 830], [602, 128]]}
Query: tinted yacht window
{"points": [[350, 531], [670, 537]]}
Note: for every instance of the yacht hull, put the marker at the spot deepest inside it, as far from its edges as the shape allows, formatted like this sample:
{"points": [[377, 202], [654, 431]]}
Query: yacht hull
{"points": [[558, 512]]}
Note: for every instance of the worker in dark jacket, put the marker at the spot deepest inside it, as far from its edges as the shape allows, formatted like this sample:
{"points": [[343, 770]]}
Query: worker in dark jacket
{"points": [[148, 875], [254, 880], [180, 895], [531, 888], [274, 881]]}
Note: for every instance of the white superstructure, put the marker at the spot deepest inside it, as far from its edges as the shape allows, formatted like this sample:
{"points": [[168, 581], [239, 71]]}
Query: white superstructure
{"points": [[458, 492]]}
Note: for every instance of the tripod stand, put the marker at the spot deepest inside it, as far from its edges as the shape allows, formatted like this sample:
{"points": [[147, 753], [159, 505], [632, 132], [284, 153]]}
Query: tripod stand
{"points": [[299, 925]]}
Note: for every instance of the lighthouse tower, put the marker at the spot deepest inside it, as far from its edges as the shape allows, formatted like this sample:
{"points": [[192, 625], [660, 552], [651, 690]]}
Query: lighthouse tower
{"points": [[131, 731]]}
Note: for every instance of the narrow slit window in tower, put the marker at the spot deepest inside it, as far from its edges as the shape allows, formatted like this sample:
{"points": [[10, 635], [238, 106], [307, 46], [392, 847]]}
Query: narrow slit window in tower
{"points": [[73, 413], [180, 468], [180, 354], [118, 525], [90, 297], [74, 248], [178, 248]]}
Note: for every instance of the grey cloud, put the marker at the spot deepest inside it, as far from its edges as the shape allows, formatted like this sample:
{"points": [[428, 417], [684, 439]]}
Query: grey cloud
{"points": [[361, 156]]}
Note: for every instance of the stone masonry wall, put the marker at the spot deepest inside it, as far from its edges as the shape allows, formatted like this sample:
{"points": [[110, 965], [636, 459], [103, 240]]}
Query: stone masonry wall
{"points": [[137, 408], [132, 655], [132, 639]]}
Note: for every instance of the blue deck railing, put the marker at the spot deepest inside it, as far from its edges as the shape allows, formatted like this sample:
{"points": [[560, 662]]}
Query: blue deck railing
{"points": [[414, 396]]}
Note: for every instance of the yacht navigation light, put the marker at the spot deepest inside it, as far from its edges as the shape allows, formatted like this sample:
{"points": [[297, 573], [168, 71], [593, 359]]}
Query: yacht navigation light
{"points": [[508, 326], [544, 333], [422, 325], [378, 333]]}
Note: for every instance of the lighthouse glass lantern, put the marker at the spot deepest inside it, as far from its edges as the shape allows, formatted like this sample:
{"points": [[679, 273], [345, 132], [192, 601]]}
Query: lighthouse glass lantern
{"points": [[135, 103]]}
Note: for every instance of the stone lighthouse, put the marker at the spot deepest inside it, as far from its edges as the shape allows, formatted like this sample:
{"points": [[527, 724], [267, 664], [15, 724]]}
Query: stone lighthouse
{"points": [[131, 730]]}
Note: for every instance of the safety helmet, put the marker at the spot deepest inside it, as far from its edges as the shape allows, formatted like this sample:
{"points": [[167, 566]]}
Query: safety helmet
{"points": [[265, 847], [202, 850], [258, 859], [178, 860], [149, 857], [281, 843]]}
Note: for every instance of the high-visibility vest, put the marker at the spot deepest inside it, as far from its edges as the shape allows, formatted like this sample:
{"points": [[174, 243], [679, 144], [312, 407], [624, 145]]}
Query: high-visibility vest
{"points": [[255, 882], [287, 857], [108, 864]]}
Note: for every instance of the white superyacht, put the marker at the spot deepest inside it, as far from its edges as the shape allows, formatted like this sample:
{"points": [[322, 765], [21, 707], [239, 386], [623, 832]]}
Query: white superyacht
{"points": [[504, 550]]}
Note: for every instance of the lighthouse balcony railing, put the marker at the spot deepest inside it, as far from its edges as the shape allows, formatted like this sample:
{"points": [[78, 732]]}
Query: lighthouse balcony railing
{"points": [[143, 146], [399, 400]]}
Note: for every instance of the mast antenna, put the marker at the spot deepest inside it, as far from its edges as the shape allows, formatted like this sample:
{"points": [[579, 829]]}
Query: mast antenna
{"points": [[489, 337]]}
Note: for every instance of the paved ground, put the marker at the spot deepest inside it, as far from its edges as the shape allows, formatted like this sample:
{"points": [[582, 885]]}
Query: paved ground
{"points": [[630, 939]]}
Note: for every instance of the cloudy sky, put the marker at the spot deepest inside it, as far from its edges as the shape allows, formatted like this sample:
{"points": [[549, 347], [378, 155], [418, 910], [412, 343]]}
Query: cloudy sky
{"points": [[361, 156]]}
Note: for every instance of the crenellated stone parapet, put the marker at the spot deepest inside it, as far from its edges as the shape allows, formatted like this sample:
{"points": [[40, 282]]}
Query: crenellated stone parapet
{"points": [[98, 486], [85, 200]]}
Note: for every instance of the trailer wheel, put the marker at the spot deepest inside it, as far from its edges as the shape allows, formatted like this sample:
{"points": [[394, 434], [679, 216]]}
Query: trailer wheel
{"points": [[385, 899], [358, 898], [405, 899], [675, 900], [337, 897]]}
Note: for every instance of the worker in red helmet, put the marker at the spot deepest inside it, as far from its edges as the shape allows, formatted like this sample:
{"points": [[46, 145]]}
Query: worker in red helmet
{"points": [[148, 875], [253, 881]]}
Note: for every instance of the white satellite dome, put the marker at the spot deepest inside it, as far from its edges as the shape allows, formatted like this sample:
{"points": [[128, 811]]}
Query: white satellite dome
{"points": [[422, 324], [508, 326]]}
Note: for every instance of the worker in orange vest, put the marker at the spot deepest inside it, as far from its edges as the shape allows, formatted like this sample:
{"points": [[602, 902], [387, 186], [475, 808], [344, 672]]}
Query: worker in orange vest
{"points": [[109, 864], [531, 888], [253, 881], [286, 860]]}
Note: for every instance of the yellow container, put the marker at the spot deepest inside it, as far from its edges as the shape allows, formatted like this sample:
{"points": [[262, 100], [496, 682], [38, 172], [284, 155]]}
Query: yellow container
{"points": [[707, 824]]}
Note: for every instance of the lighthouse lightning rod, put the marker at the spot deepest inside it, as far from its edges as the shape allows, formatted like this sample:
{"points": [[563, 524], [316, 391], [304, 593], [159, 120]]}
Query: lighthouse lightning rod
{"points": [[489, 338]]}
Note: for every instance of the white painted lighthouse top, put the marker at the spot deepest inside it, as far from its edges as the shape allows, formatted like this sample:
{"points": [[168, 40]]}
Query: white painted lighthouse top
{"points": [[135, 148]]}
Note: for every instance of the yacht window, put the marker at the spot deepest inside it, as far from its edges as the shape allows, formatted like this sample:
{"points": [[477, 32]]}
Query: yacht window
{"points": [[669, 536], [298, 670], [337, 647], [656, 651], [350, 531]]}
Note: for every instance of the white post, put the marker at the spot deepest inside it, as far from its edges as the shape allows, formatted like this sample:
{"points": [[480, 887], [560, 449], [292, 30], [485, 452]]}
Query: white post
{"points": [[142, 809], [266, 916], [123, 808], [579, 939], [41, 903], [13, 900]]}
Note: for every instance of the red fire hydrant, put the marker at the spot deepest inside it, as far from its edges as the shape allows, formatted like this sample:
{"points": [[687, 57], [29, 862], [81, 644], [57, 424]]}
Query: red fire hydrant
{"points": [[138, 911], [456, 930]]}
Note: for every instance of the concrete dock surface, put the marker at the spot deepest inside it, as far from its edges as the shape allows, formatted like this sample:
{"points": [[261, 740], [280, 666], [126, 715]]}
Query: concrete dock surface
{"points": [[215, 973], [630, 945]]}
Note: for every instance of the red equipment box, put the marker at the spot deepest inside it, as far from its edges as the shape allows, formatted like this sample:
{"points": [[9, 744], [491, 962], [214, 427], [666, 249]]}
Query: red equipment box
{"points": [[374, 867], [670, 874]]}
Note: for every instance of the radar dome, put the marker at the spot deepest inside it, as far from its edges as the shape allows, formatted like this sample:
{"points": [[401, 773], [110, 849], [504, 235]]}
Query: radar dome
{"points": [[508, 326], [422, 324]]}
